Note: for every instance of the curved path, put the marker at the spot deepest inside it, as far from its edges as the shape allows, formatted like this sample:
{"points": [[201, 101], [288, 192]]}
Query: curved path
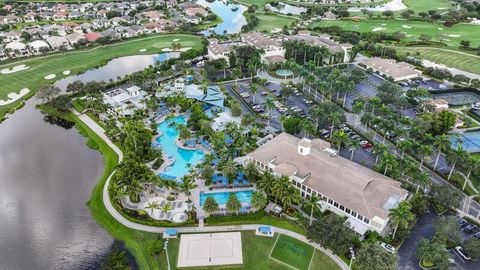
{"points": [[250, 227]]}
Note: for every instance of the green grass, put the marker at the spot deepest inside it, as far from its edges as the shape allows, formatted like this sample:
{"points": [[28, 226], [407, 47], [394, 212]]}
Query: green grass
{"points": [[268, 22], [320, 261], [256, 218], [451, 58], [292, 252], [466, 31], [256, 255], [79, 61], [426, 5], [259, 3]]}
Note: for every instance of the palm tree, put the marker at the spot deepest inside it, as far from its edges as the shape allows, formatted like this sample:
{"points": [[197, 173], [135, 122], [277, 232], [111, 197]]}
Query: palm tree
{"points": [[166, 207], [401, 216], [230, 170], [290, 196], [387, 161], [251, 171], [265, 182], [378, 150], [358, 108], [253, 90], [236, 73], [425, 151], [152, 206], [443, 144], [334, 117], [313, 202], [210, 205], [421, 179], [453, 156], [233, 204], [133, 189], [340, 137], [473, 164], [259, 199], [170, 184], [279, 187], [307, 127], [405, 145], [352, 145], [187, 185]]}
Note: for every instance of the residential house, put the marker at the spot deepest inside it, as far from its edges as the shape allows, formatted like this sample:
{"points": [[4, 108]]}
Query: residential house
{"points": [[92, 36], [38, 47], [398, 71], [75, 38], [16, 49], [124, 100], [273, 50], [58, 43], [60, 16], [13, 36], [29, 18], [220, 50]]}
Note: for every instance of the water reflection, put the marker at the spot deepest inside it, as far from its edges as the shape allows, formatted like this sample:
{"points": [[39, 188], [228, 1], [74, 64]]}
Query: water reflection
{"points": [[53, 120], [117, 68], [231, 14], [46, 177], [286, 9]]}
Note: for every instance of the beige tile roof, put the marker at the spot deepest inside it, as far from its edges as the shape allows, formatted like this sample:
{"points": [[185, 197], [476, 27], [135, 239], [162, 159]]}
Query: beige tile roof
{"points": [[391, 67], [350, 184]]}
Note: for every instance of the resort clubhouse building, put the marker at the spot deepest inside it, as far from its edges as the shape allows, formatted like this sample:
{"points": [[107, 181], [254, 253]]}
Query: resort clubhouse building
{"points": [[345, 188]]}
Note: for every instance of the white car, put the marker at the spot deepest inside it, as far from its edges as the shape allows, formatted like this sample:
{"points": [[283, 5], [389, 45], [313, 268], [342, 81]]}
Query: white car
{"points": [[308, 101], [245, 95], [462, 253], [387, 247]]}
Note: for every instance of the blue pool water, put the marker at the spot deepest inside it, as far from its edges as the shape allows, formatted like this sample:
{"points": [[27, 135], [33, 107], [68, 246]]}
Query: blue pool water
{"points": [[284, 72], [233, 20], [182, 157], [222, 197]]}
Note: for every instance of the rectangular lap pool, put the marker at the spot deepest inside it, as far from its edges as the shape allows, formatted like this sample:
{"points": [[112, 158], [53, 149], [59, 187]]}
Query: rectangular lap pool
{"points": [[222, 197]]}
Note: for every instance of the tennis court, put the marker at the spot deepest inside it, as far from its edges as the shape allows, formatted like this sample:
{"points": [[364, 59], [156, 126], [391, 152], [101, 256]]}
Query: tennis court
{"points": [[459, 98], [470, 141]]}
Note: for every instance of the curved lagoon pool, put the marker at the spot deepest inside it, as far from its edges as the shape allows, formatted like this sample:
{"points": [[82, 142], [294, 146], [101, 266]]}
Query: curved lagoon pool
{"points": [[181, 156], [222, 197]]}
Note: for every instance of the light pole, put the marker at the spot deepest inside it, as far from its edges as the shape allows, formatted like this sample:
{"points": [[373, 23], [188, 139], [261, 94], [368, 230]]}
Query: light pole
{"points": [[165, 247], [352, 257]]}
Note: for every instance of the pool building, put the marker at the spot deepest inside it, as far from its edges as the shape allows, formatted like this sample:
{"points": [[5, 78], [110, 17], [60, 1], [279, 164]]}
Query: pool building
{"points": [[345, 188]]}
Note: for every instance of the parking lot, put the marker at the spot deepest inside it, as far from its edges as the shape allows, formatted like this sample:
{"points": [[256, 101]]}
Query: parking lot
{"points": [[294, 104]]}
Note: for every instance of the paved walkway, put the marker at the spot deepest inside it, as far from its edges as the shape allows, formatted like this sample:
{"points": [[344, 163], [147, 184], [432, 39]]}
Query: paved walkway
{"points": [[115, 214]]}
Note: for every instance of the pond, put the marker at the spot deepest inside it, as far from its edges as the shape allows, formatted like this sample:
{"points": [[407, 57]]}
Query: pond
{"points": [[47, 176], [117, 68], [231, 15], [286, 9]]}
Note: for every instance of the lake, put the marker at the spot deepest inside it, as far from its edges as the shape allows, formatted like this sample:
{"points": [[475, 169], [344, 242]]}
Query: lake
{"points": [[231, 14], [47, 176], [118, 67]]}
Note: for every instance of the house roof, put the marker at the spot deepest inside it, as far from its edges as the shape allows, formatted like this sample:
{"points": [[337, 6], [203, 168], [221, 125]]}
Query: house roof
{"points": [[92, 36], [352, 185]]}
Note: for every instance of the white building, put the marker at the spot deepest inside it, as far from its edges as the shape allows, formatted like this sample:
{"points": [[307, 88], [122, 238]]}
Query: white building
{"points": [[125, 101], [345, 188], [274, 52], [38, 46], [398, 71], [221, 50]]}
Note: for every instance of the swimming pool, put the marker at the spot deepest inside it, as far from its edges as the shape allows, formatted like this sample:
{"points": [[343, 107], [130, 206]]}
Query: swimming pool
{"points": [[222, 197], [181, 156], [284, 72]]}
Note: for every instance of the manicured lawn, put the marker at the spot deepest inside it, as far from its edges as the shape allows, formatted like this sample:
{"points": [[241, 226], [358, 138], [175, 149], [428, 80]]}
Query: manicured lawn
{"points": [[426, 5], [256, 255], [259, 3], [268, 22], [80, 61], [292, 252], [413, 29], [256, 218], [451, 58]]}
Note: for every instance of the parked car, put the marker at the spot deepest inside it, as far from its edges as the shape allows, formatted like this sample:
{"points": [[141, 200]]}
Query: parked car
{"points": [[308, 101], [477, 235], [471, 228], [264, 93], [462, 253], [387, 247], [462, 222], [245, 95]]}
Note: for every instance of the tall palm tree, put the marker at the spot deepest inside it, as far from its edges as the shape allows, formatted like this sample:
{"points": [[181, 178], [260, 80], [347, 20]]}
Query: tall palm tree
{"points": [[259, 199], [401, 216], [233, 204], [340, 137], [443, 144], [334, 118], [187, 185], [352, 146], [307, 127], [166, 207], [290, 196], [236, 73], [265, 182], [421, 179], [473, 164], [253, 90], [210, 205], [230, 170], [404, 146], [152, 206], [279, 187], [378, 150], [357, 109], [313, 203], [453, 156], [251, 171], [387, 161], [424, 151]]}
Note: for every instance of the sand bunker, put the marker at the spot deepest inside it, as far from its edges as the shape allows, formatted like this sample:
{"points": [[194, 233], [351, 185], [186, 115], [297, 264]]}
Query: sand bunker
{"points": [[12, 97], [179, 50], [376, 29], [50, 76], [66, 72], [276, 30], [14, 69], [441, 29], [451, 35], [175, 40], [406, 26], [142, 50], [383, 24]]}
